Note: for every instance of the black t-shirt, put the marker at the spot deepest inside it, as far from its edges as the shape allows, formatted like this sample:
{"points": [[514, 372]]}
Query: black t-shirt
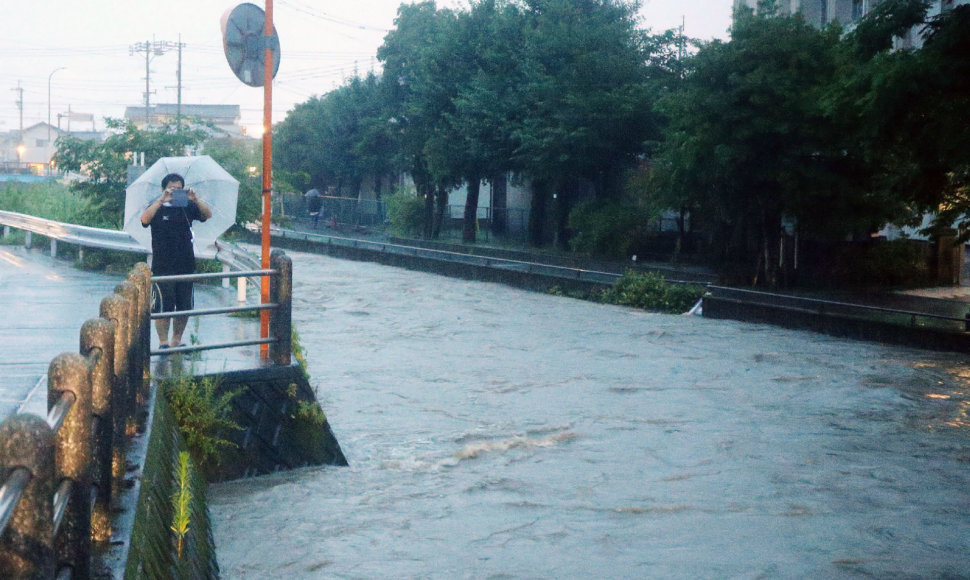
{"points": [[172, 239]]}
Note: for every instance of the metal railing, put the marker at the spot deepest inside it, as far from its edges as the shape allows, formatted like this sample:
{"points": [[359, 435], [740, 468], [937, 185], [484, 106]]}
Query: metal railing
{"points": [[553, 270], [61, 474], [280, 306]]}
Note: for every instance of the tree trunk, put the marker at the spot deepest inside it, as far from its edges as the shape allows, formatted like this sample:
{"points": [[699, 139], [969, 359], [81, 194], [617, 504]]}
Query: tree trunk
{"points": [[500, 217], [428, 213], [441, 205], [564, 202], [422, 183], [470, 224], [537, 213]]}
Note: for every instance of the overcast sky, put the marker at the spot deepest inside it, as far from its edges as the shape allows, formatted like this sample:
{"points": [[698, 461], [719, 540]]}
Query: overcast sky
{"points": [[322, 44]]}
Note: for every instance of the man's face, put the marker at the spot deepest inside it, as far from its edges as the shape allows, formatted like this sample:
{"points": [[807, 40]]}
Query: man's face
{"points": [[173, 185]]}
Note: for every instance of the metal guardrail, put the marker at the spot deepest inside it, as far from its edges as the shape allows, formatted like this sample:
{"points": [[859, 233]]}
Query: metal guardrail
{"points": [[458, 257], [70, 233], [106, 239]]}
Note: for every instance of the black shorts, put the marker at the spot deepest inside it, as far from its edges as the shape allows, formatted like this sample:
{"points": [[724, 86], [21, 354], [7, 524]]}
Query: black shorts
{"points": [[172, 296]]}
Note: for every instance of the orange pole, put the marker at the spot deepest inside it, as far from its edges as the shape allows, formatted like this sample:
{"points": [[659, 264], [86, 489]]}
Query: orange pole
{"points": [[267, 173]]}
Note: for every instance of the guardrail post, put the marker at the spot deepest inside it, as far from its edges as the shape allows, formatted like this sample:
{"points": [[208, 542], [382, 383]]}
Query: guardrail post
{"points": [[27, 239], [135, 377], [97, 343], [281, 293], [141, 277], [27, 547], [70, 373], [118, 310], [241, 289]]}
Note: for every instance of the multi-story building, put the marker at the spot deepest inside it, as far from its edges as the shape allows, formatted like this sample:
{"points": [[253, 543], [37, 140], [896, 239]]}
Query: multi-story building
{"points": [[846, 12]]}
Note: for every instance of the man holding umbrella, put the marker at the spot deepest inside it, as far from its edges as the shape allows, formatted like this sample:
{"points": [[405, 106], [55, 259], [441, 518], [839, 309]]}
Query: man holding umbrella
{"points": [[170, 219]]}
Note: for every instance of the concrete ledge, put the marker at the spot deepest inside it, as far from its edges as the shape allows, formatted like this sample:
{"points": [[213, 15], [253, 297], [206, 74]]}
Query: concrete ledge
{"points": [[526, 280], [835, 325], [283, 426]]}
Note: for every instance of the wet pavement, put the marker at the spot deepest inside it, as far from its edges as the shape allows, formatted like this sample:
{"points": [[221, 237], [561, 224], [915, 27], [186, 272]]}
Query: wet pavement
{"points": [[45, 301]]}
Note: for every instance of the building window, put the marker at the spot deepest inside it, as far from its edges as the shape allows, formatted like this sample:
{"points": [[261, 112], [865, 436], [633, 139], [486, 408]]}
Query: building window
{"points": [[42, 143], [856, 9], [824, 11]]}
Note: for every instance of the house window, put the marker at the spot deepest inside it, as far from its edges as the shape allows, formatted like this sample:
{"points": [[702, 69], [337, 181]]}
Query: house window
{"points": [[856, 9], [42, 143], [824, 11]]}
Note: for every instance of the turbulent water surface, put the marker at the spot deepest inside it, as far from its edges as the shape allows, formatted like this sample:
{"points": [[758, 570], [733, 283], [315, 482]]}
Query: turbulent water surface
{"points": [[495, 433]]}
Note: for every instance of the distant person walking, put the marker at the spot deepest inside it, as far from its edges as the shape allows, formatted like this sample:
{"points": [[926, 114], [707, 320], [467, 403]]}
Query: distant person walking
{"points": [[170, 218], [314, 202]]}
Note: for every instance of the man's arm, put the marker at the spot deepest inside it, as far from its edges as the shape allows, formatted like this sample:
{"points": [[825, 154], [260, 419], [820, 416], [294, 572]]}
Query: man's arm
{"points": [[204, 208], [151, 210]]}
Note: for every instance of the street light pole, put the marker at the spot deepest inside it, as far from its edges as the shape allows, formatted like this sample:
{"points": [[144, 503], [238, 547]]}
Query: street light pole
{"points": [[49, 77]]}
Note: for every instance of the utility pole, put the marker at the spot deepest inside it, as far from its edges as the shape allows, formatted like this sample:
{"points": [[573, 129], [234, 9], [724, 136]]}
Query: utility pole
{"points": [[20, 106], [178, 85], [178, 79], [151, 48]]}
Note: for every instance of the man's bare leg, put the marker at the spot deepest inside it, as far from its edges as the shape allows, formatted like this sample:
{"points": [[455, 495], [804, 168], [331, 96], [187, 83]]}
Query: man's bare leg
{"points": [[161, 328], [178, 327]]}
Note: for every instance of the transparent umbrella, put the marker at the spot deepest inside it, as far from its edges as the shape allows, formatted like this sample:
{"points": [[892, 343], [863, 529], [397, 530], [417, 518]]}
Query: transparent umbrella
{"points": [[211, 183]]}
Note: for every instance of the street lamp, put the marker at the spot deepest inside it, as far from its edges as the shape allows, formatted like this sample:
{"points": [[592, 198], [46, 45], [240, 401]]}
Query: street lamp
{"points": [[49, 77]]}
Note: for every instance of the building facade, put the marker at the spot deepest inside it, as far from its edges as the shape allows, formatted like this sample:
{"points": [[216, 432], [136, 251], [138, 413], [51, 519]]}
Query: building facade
{"points": [[224, 119], [31, 150], [819, 13]]}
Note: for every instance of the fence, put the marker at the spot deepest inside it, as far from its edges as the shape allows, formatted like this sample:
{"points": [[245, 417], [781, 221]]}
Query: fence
{"points": [[61, 473], [348, 212]]}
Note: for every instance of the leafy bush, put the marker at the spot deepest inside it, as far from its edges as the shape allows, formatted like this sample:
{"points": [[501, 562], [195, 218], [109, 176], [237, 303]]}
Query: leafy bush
{"points": [[51, 200], [405, 210], [879, 263], [650, 291], [201, 414], [605, 228]]}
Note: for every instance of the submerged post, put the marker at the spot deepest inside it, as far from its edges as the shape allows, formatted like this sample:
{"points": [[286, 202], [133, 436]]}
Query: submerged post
{"points": [[281, 294]]}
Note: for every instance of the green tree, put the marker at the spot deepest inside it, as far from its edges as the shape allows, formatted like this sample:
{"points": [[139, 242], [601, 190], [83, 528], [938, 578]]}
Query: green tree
{"points": [[587, 68], [237, 157], [476, 138], [749, 143], [106, 163], [419, 86], [912, 107]]}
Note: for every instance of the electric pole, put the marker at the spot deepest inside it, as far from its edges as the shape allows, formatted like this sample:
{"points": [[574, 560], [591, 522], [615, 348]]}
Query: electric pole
{"points": [[20, 106], [178, 87], [153, 48]]}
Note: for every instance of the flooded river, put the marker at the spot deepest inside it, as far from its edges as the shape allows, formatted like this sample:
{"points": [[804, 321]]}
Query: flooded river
{"points": [[496, 433]]}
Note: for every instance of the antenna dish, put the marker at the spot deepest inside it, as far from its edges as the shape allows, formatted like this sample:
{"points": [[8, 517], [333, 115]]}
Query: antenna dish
{"points": [[245, 43]]}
